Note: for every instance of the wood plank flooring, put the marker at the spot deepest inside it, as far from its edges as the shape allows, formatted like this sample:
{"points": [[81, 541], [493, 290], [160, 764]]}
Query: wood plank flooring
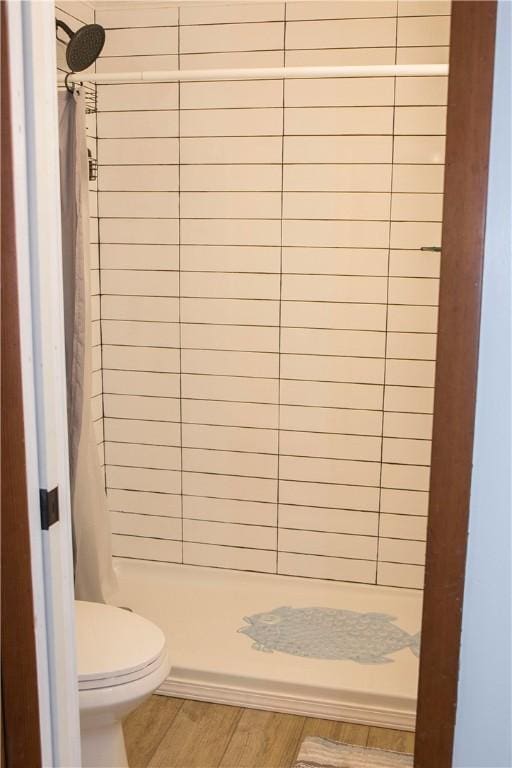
{"points": [[178, 733]]}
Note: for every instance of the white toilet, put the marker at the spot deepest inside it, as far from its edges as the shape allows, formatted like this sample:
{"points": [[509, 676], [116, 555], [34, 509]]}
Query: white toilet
{"points": [[122, 658]]}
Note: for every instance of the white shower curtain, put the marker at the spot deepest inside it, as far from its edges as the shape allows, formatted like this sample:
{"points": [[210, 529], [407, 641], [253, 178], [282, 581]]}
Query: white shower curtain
{"points": [[94, 575]]}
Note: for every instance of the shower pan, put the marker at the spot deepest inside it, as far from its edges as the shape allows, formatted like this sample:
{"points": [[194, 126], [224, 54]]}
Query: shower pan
{"points": [[323, 649]]}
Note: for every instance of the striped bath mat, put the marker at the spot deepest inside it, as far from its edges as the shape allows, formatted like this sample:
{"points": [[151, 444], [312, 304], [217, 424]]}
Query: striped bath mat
{"points": [[316, 752]]}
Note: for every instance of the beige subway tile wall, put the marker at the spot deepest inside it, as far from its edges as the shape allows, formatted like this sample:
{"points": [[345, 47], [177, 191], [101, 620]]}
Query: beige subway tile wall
{"points": [[268, 318]]}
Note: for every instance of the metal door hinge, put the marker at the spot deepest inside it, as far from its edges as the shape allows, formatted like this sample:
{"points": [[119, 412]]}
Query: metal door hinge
{"points": [[49, 504], [93, 166]]}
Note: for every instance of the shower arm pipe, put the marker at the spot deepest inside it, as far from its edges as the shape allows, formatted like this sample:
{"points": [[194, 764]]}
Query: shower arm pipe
{"points": [[261, 73]]}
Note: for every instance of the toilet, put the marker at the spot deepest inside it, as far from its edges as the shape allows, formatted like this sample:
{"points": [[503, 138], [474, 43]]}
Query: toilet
{"points": [[121, 658]]}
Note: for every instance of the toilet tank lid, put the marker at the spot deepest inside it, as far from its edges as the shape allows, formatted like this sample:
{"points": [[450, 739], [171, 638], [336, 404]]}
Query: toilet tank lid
{"points": [[112, 642]]}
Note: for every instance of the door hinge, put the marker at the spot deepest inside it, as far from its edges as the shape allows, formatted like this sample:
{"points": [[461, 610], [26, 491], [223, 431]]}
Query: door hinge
{"points": [[49, 503]]}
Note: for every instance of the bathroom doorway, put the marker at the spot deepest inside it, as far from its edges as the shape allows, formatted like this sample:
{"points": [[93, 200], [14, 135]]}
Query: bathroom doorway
{"points": [[472, 56]]}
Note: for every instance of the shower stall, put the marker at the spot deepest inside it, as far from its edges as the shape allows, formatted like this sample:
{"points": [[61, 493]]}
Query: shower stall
{"points": [[264, 281]]}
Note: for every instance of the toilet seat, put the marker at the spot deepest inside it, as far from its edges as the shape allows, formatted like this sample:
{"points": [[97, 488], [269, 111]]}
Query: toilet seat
{"points": [[115, 646]]}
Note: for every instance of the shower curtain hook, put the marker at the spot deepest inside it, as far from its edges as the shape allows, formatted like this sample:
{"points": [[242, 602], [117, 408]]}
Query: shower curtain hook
{"points": [[66, 83]]}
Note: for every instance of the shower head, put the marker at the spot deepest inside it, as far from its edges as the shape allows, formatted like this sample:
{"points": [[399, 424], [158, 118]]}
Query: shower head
{"points": [[85, 45]]}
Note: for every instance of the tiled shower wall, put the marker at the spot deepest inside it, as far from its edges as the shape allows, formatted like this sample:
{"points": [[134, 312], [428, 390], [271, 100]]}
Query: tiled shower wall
{"points": [[268, 319]]}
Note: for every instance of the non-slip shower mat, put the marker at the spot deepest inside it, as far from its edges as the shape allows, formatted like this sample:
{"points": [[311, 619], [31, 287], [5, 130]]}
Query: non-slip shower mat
{"points": [[316, 752]]}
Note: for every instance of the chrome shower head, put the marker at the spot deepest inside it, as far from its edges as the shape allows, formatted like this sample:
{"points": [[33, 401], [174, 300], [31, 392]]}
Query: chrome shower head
{"points": [[85, 45]]}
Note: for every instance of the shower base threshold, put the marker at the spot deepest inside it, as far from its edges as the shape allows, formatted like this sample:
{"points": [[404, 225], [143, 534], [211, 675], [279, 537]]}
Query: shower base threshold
{"points": [[201, 610]]}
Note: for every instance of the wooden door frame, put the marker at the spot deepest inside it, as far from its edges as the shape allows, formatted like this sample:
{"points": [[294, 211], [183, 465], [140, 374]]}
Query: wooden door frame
{"points": [[468, 131]]}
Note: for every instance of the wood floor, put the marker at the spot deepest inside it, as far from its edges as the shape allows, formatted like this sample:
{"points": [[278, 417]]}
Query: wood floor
{"points": [[177, 733]]}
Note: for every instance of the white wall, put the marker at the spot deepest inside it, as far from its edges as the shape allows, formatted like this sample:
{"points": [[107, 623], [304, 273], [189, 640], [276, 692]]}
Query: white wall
{"points": [[483, 728]]}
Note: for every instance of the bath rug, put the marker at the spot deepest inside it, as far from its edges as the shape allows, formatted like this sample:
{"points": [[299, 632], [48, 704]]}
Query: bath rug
{"points": [[316, 752]]}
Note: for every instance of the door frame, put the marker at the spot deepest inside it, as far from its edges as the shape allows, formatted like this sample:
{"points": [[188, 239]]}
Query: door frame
{"points": [[470, 86], [21, 733], [37, 235]]}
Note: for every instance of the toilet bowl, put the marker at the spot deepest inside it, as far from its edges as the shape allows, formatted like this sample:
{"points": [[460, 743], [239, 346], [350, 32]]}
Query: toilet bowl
{"points": [[122, 658]]}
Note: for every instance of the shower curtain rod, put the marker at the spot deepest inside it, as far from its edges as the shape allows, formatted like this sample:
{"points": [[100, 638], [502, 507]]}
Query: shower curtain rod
{"points": [[260, 73]]}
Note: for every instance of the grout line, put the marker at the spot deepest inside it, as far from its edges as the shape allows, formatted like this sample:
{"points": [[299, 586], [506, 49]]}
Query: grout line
{"points": [[249, 272], [279, 322], [303, 136], [358, 409], [265, 454], [291, 573], [268, 429], [387, 307], [259, 503], [270, 453], [261, 191], [193, 324], [67, 13], [179, 283], [271, 479], [276, 107], [298, 19], [94, 89], [259, 524], [256, 524], [274, 352], [343, 558]]}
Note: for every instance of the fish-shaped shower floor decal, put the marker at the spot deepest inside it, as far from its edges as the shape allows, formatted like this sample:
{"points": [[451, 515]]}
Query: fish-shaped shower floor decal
{"points": [[329, 633]]}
